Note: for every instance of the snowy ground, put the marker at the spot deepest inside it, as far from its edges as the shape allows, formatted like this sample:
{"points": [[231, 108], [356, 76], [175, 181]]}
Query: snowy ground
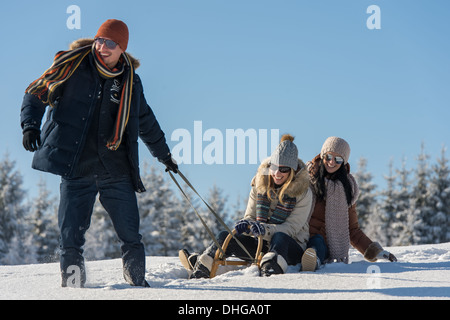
{"points": [[422, 272]]}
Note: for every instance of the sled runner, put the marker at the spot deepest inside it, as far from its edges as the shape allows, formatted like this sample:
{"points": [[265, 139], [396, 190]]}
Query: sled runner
{"points": [[220, 258]]}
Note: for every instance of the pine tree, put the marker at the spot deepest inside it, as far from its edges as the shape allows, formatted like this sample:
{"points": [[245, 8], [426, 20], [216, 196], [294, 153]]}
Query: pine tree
{"points": [[161, 215], [422, 206], [402, 224], [43, 220], [16, 246], [191, 227], [378, 223], [439, 194], [376, 226], [238, 210], [218, 203], [367, 197]]}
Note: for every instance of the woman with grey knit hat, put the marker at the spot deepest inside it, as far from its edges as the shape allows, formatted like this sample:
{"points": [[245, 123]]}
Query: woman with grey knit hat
{"points": [[278, 209], [334, 224]]}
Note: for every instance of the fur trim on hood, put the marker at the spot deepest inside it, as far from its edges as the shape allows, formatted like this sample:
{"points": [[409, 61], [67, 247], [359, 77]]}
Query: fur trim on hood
{"points": [[298, 186], [87, 41]]}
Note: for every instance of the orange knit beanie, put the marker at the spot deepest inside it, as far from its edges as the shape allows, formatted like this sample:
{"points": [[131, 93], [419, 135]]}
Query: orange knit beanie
{"points": [[116, 31]]}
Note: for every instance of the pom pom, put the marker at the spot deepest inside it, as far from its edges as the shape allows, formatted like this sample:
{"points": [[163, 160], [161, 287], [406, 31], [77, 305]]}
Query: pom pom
{"points": [[287, 137]]}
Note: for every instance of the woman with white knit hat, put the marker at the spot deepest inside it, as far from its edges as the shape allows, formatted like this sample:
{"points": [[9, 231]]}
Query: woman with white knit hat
{"points": [[334, 224], [278, 209]]}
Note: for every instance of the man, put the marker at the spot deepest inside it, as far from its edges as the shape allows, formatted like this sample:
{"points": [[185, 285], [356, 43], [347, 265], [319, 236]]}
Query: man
{"points": [[97, 112]]}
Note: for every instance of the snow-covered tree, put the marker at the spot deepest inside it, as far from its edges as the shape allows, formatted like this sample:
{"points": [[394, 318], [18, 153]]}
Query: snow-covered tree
{"points": [[238, 210], [161, 214], [378, 222], [217, 201], [402, 225], [439, 198], [191, 227], [16, 245], [367, 197], [376, 225], [422, 206], [43, 221]]}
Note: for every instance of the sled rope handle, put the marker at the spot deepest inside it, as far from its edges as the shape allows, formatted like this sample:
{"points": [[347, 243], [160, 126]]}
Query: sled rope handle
{"points": [[196, 212], [210, 209]]}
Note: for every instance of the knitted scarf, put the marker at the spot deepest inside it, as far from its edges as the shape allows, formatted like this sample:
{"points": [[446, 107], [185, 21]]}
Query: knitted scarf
{"points": [[336, 218], [63, 67], [280, 213]]}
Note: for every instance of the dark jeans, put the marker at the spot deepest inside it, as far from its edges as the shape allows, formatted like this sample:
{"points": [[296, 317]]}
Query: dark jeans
{"points": [[280, 243], [118, 197], [317, 242]]}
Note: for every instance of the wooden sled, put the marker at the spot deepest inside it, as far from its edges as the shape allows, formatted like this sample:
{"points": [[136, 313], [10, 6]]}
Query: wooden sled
{"points": [[220, 260]]}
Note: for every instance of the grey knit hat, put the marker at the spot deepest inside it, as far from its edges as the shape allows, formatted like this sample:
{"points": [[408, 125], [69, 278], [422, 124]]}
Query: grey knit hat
{"points": [[286, 154], [338, 145]]}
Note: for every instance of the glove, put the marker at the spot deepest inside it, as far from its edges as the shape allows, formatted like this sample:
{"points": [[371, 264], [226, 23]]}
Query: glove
{"points": [[171, 165], [241, 226], [31, 140], [387, 255], [257, 228]]}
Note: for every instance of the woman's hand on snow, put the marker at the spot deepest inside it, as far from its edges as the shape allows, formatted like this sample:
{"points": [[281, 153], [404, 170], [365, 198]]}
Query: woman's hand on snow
{"points": [[387, 256]]}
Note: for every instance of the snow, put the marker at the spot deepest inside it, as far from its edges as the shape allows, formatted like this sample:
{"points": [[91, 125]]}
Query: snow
{"points": [[422, 272]]}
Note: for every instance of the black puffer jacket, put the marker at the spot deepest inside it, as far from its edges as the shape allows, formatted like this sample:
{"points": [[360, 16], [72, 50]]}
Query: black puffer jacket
{"points": [[64, 133]]}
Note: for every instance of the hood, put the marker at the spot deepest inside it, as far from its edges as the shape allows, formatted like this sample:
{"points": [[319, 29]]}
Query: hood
{"points": [[297, 187], [87, 41]]}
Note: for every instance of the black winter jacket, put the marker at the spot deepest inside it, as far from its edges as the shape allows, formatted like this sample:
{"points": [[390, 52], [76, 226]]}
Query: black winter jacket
{"points": [[64, 133]]}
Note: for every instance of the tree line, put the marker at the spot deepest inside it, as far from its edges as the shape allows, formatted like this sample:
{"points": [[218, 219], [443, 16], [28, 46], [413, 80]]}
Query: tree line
{"points": [[413, 208]]}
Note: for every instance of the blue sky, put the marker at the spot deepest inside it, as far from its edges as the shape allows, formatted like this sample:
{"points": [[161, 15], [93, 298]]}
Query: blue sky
{"points": [[309, 68]]}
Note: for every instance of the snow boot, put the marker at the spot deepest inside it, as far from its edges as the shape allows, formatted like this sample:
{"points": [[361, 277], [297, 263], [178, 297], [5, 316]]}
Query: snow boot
{"points": [[202, 267], [273, 263], [133, 283], [145, 284], [74, 275], [188, 260], [310, 262]]}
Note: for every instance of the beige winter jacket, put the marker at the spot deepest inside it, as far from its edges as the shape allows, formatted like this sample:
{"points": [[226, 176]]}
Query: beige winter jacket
{"points": [[297, 223]]}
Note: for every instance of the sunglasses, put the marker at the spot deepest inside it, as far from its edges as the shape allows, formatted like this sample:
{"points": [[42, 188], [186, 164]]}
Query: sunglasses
{"points": [[109, 43], [337, 159], [281, 169]]}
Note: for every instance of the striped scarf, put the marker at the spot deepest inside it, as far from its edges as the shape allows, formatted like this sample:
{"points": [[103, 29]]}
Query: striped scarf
{"points": [[280, 213], [63, 67]]}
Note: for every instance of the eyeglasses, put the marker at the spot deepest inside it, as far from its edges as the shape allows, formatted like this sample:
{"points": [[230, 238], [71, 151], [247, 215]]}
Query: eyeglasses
{"points": [[337, 159], [109, 43], [281, 169]]}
